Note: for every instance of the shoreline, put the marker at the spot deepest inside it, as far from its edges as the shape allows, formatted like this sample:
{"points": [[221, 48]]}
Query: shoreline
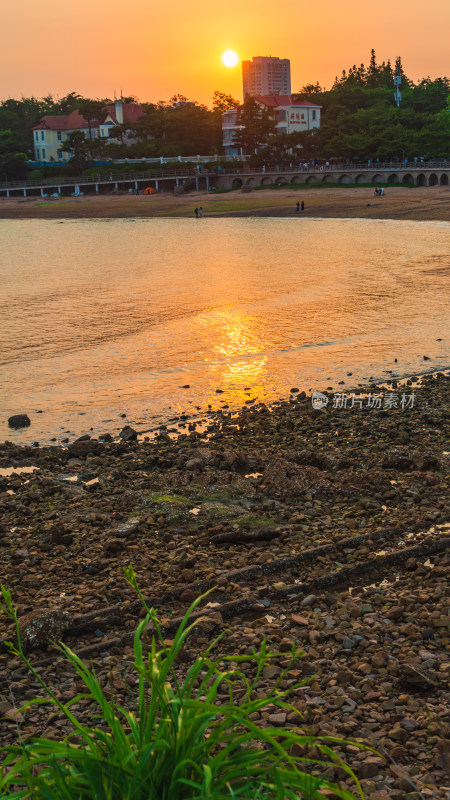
{"points": [[202, 416], [328, 529], [415, 204]]}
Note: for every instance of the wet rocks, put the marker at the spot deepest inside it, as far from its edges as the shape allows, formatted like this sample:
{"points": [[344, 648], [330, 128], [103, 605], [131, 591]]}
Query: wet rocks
{"points": [[83, 447], [195, 464], [415, 675], [42, 626], [19, 421], [126, 529], [399, 460], [348, 572], [308, 601], [128, 434], [380, 660], [113, 546]]}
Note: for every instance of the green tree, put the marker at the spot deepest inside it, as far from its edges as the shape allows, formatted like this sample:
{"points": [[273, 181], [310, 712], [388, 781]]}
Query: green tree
{"points": [[373, 72], [223, 102], [258, 125], [70, 102], [91, 111], [311, 89], [82, 149], [12, 160]]}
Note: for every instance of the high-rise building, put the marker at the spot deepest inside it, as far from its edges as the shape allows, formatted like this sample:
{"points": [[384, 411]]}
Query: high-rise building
{"points": [[266, 75]]}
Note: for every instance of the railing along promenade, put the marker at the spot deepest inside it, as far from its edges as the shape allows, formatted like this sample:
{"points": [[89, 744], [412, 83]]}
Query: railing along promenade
{"points": [[190, 173]]}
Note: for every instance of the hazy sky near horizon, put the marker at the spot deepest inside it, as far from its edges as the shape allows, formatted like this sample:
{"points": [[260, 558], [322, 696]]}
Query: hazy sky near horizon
{"points": [[156, 49]]}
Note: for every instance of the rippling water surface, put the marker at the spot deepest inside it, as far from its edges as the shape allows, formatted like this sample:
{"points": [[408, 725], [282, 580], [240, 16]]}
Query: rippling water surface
{"points": [[104, 317]]}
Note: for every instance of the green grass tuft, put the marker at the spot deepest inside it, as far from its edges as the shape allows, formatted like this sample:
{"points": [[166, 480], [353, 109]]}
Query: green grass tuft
{"points": [[190, 736]]}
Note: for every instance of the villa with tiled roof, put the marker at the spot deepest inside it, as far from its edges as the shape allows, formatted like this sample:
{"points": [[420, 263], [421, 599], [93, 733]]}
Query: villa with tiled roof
{"points": [[291, 115], [53, 130]]}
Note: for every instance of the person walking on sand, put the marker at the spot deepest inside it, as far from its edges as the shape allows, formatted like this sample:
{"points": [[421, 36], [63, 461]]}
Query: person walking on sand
{"points": [[200, 211], [196, 212]]}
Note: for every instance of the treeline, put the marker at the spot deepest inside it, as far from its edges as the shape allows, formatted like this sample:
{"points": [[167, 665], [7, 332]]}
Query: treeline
{"points": [[359, 120], [177, 127]]}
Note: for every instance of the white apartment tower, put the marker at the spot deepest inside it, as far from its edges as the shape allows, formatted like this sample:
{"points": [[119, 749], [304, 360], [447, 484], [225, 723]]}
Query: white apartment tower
{"points": [[266, 75]]}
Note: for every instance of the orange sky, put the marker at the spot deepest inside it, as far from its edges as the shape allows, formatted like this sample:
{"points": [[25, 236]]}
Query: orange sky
{"points": [[156, 49]]}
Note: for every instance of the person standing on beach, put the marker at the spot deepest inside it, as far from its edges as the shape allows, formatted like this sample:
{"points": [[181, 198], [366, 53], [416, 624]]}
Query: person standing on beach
{"points": [[196, 212], [303, 205], [298, 205], [200, 212]]}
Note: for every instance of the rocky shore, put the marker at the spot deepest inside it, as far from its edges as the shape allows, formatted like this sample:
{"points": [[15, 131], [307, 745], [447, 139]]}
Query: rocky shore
{"points": [[328, 529]]}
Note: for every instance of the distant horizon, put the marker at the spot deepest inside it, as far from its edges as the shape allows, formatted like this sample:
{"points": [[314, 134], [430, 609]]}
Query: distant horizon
{"points": [[159, 51]]}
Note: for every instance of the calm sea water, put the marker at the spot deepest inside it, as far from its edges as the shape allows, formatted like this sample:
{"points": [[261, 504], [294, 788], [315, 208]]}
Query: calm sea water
{"points": [[104, 317]]}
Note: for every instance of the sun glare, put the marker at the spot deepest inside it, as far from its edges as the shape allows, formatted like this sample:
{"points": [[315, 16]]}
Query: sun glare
{"points": [[230, 58]]}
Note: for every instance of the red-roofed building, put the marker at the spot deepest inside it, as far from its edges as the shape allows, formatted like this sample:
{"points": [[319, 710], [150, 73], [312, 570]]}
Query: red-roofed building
{"points": [[290, 113], [53, 130]]}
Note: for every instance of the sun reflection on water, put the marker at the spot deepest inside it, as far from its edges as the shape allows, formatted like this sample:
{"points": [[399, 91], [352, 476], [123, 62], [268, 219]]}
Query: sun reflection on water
{"points": [[242, 363]]}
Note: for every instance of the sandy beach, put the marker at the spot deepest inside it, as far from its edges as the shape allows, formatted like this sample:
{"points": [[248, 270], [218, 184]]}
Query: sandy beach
{"points": [[422, 203]]}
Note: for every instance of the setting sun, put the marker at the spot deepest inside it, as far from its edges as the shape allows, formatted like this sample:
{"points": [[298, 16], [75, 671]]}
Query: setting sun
{"points": [[230, 58]]}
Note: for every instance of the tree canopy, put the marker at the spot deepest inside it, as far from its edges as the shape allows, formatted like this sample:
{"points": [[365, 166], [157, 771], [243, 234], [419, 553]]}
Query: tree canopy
{"points": [[360, 119]]}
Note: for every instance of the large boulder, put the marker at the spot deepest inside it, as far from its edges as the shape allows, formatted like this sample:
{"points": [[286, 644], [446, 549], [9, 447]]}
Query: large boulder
{"points": [[19, 421], [128, 434], [83, 447]]}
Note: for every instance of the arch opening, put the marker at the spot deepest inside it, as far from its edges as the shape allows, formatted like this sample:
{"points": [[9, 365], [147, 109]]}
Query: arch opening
{"points": [[237, 183], [444, 179], [311, 179], [361, 179], [344, 179], [378, 178], [408, 178], [393, 178], [433, 179], [421, 180]]}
